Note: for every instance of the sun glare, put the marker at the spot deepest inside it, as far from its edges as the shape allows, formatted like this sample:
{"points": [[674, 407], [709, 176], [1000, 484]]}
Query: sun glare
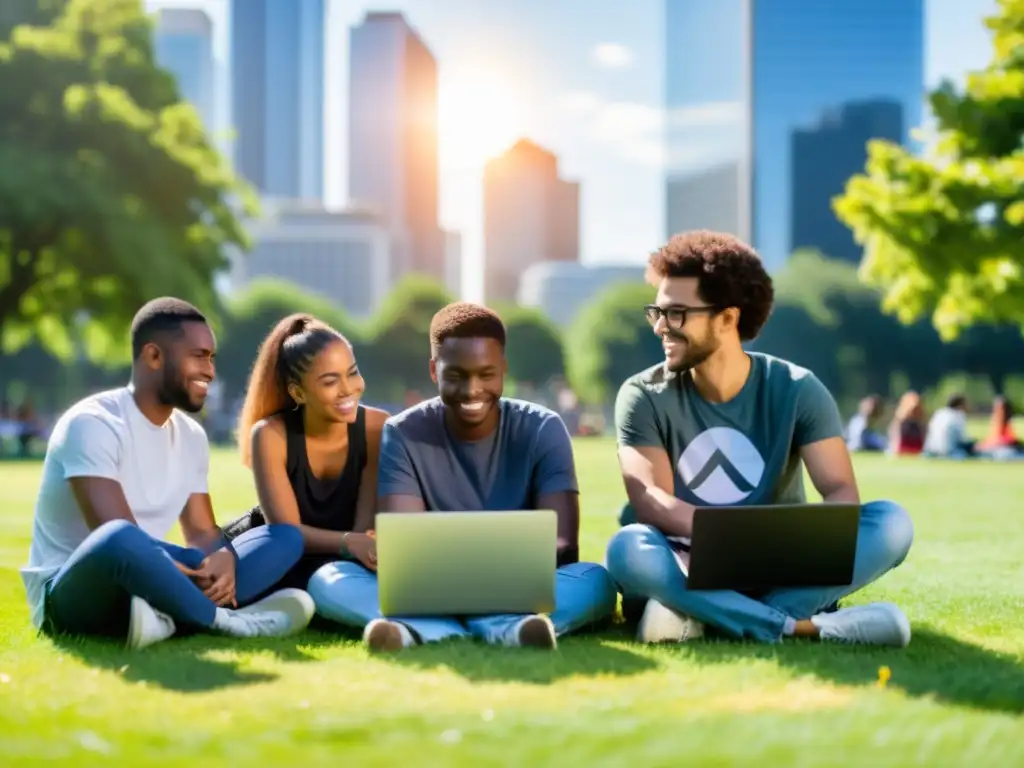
{"points": [[479, 118]]}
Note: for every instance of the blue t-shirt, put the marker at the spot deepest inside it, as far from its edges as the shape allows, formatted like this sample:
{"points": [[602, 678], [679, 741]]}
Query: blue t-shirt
{"points": [[527, 456]]}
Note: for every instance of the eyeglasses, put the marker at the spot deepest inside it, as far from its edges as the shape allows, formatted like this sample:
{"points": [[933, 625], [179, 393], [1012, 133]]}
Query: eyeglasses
{"points": [[675, 317]]}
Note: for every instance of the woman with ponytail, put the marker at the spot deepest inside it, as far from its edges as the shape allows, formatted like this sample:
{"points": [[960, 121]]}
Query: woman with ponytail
{"points": [[311, 445]]}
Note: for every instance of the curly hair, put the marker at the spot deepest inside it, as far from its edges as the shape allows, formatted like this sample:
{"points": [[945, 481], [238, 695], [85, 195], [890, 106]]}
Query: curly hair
{"points": [[465, 320], [729, 273]]}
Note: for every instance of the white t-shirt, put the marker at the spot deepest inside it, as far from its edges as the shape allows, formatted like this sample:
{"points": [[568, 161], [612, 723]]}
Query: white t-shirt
{"points": [[106, 435], [947, 430]]}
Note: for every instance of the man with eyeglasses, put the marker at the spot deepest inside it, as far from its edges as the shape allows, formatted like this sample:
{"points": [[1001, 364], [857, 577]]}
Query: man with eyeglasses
{"points": [[715, 425]]}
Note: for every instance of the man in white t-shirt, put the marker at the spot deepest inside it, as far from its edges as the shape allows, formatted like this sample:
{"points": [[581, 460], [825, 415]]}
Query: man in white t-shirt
{"points": [[121, 467], [947, 430]]}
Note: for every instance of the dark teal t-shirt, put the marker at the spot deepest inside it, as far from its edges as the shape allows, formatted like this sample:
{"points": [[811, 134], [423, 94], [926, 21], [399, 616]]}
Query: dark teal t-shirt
{"points": [[744, 451]]}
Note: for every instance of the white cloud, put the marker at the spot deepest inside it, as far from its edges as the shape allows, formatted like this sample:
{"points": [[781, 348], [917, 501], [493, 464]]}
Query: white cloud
{"points": [[645, 134], [612, 56]]}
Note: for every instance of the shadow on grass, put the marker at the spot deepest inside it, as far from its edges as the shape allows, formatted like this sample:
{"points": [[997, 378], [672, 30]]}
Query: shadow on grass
{"points": [[187, 664], [585, 655], [933, 666]]}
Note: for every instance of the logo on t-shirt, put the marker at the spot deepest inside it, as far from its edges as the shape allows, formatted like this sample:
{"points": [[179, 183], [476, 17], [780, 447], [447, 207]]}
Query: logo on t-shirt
{"points": [[721, 466]]}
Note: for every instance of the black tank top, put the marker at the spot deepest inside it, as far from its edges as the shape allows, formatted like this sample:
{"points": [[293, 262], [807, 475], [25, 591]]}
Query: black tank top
{"points": [[329, 503]]}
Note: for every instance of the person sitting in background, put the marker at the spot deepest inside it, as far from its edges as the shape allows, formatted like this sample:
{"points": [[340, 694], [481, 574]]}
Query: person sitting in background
{"points": [[121, 466], [715, 425], [907, 428], [860, 432], [1001, 441], [312, 446], [947, 431], [472, 449]]}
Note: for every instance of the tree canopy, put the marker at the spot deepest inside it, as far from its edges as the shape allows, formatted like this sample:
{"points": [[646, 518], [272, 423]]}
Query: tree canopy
{"points": [[943, 232], [111, 192], [534, 346]]}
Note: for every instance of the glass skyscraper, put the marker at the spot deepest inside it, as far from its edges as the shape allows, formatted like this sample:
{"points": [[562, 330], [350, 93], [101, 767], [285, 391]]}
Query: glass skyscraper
{"points": [[743, 75], [183, 45], [277, 63]]}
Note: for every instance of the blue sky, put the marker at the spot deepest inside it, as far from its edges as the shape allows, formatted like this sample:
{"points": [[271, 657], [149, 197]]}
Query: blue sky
{"points": [[581, 77]]}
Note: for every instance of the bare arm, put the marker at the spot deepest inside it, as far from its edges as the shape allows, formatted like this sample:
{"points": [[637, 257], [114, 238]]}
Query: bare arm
{"points": [[566, 505], [198, 525], [274, 490], [366, 506], [831, 470], [648, 477], [101, 500]]}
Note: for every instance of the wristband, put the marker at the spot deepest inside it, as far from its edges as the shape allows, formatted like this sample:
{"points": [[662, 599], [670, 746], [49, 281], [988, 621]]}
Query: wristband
{"points": [[226, 544], [344, 552]]}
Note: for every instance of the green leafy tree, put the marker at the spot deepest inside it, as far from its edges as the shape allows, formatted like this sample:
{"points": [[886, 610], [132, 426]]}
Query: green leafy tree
{"points": [[943, 232], [111, 192], [534, 346], [253, 312], [397, 349], [609, 341]]}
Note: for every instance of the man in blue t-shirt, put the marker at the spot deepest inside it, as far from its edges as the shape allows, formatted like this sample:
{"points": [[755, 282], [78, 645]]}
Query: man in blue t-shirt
{"points": [[472, 449], [714, 425]]}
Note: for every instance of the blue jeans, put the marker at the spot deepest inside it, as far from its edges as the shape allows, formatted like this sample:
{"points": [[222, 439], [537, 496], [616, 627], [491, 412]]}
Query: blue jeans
{"points": [[643, 565], [91, 594], [346, 592]]}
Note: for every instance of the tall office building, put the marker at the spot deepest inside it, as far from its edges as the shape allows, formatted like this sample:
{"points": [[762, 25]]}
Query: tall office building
{"points": [[742, 74], [393, 152], [183, 44], [530, 215], [824, 158], [277, 75], [560, 289], [341, 255]]}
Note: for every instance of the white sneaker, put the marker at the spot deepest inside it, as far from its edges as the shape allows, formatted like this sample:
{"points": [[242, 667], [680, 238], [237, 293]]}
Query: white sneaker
{"points": [[534, 632], [663, 625], [384, 635], [873, 624], [147, 625], [282, 613]]}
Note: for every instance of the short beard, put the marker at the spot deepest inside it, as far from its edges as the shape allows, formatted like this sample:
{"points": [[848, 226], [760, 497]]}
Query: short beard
{"points": [[694, 357], [173, 394]]}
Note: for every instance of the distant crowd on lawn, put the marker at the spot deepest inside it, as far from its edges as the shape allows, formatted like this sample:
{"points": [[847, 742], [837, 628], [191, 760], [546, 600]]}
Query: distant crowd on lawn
{"points": [[945, 435]]}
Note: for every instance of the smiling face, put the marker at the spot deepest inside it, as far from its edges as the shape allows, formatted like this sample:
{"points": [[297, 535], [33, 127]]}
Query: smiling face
{"points": [[186, 362], [470, 377], [331, 388], [685, 323]]}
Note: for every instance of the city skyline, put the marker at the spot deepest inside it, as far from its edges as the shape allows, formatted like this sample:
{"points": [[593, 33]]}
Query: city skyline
{"points": [[509, 71]]}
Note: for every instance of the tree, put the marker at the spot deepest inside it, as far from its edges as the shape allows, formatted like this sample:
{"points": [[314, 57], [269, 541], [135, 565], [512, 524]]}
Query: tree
{"points": [[534, 347], [111, 192], [252, 313], [609, 341], [943, 232], [397, 349]]}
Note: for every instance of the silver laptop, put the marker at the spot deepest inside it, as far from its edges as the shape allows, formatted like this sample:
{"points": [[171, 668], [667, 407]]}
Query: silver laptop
{"points": [[466, 563]]}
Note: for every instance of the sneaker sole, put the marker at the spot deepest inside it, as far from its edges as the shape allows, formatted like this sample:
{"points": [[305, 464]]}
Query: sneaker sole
{"points": [[383, 637], [538, 632], [294, 603], [688, 631], [135, 623]]}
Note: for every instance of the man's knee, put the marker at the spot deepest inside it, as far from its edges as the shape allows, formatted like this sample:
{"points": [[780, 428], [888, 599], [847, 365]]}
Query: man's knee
{"points": [[895, 529], [597, 579], [637, 555], [117, 536], [288, 539]]}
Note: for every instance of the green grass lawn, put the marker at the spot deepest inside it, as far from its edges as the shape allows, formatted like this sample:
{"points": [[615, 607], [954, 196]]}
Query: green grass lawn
{"points": [[956, 695]]}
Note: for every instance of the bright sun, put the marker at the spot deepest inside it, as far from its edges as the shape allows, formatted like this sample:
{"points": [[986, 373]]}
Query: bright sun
{"points": [[479, 117]]}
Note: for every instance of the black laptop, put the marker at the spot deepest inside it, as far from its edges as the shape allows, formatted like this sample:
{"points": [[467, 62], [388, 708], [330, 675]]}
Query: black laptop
{"points": [[760, 548]]}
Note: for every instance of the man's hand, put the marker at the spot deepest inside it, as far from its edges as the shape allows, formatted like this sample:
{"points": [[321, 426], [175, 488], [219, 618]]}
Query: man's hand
{"points": [[363, 548], [217, 578]]}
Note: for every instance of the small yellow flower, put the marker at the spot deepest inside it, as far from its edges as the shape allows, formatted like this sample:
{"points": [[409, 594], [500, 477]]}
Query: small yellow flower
{"points": [[884, 673]]}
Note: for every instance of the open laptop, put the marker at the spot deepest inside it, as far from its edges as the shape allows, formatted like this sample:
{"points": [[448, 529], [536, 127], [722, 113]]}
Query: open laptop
{"points": [[466, 563], [761, 548]]}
